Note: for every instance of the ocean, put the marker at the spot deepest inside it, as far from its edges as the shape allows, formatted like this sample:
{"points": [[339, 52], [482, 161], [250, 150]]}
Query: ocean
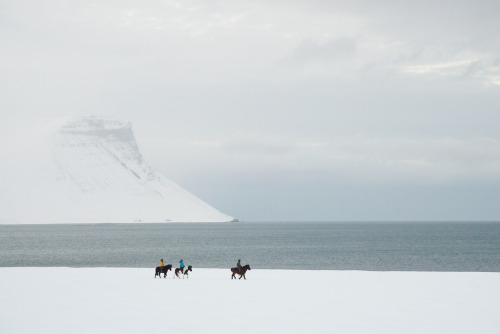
{"points": [[374, 246]]}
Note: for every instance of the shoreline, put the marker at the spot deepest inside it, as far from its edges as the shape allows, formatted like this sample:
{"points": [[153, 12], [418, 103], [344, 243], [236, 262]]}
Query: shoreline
{"points": [[261, 269]]}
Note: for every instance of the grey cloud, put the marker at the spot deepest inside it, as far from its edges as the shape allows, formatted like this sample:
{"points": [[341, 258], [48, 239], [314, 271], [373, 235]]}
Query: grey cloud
{"points": [[310, 50], [258, 148]]}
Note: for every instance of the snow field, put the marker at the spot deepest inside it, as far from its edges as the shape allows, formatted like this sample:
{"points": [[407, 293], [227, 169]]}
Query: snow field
{"points": [[130, 300]]}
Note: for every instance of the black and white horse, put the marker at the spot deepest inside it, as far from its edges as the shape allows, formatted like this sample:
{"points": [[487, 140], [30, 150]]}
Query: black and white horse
{"points": [[163, 270], [184, 273]]}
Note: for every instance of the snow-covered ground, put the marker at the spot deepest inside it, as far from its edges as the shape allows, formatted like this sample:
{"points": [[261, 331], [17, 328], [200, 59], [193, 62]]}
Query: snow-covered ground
{"points": [[125, 300]]}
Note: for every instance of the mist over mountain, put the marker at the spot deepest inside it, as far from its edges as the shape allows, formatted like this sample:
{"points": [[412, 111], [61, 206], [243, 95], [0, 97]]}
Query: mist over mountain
{"points": [[91, 171]]}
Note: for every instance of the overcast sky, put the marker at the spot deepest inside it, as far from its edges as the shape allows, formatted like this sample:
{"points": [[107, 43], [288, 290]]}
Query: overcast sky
{"points": [[279, 110]]}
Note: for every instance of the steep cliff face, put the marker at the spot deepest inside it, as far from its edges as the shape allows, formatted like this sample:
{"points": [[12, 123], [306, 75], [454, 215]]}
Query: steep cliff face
{"points": [[96, 174], [101, 155]]}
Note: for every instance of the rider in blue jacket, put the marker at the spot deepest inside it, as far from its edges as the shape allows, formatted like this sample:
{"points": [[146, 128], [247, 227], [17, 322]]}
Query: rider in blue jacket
{"points": [[181, 265]]}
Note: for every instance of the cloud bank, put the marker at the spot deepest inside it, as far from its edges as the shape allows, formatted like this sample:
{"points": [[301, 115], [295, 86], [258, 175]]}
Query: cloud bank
{"points": [[277, 110]]}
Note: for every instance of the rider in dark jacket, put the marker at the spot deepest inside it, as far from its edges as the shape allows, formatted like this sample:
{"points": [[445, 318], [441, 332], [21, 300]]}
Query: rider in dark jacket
{"points": [[238, 265]]}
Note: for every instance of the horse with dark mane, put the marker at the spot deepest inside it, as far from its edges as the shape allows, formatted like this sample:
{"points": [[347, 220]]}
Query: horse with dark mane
{"points": [[163, 270], [241, 273], [185, 273]]}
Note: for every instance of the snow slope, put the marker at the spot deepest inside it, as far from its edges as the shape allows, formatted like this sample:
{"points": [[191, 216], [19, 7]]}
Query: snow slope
{"points": [[91, 171], [128, 300]]}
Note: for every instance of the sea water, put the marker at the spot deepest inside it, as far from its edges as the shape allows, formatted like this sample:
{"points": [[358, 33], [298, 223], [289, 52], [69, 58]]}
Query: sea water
{"points": [[389, 246]]}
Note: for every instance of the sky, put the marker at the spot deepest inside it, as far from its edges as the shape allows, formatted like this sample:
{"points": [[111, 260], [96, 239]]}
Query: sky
{"points": [[278, 110]]}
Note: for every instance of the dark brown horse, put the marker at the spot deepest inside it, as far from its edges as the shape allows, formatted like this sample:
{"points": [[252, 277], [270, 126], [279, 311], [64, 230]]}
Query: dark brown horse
{"points": [[185, 273], [241, 273], [163, 270]]}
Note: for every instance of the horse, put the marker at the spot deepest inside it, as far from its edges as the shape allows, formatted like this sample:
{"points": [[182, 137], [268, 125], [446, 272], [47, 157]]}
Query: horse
{"points": [[242, 273], [163, 270], [185, 273]]}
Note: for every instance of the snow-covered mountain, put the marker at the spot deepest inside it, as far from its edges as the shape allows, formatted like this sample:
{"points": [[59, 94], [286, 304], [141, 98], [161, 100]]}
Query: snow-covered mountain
{"points": [[94, 173]]}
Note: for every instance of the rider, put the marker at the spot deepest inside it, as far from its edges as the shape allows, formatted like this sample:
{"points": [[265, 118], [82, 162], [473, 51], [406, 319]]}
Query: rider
{"points": [[181, 265], [161, 263], [238, 265]]}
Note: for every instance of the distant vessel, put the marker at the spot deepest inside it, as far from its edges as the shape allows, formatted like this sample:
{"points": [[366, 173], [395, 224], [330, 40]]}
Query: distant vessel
{"points": [[96, 174]]}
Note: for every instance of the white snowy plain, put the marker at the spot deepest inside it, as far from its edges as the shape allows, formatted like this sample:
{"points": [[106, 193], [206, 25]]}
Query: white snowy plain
{"points": [[130, 300]]}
